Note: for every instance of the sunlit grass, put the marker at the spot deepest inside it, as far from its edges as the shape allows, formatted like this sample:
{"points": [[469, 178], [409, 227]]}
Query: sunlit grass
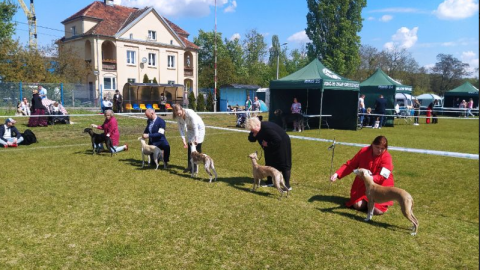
{"points": [[63, 208]]}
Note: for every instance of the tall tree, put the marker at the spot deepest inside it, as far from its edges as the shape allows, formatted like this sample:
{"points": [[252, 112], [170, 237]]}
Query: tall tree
{"points": [[7, 26], [333, 27], [255, 50], [278, 56], [298, 59], [235, 51], [450, 72]]}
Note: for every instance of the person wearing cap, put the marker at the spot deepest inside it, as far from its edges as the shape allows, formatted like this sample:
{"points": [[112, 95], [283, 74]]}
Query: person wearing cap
{"points": [[9, 134]]}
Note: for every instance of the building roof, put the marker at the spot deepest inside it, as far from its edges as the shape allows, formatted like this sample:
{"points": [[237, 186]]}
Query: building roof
{"points": [[114, 18]]}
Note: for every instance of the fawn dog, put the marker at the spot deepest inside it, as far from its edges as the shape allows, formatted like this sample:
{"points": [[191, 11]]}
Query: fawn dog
{"points": [[151, 150], [98, 139], [260, 172], [197, 158], [380, 194]]}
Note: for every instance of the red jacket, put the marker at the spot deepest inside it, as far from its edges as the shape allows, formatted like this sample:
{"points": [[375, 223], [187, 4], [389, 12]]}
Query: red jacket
{"points": [[111, 127], [365, 159]]}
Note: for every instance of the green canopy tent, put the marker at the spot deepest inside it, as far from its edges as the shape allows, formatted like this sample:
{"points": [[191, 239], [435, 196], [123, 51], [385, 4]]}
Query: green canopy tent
{"points": [[378, 84], [464, 91], [321, 92]]}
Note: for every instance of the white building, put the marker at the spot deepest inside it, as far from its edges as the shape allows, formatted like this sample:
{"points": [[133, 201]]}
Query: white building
{"points": [[123, 44]]}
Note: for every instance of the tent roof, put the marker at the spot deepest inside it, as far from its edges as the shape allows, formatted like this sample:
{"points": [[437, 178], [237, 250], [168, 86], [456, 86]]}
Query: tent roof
{"points": [[314, 76], [429, 96], [240, 86], [379, 78], [467, 88]]}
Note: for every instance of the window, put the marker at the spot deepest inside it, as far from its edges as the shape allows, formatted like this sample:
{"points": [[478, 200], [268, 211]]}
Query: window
{"points": [[109, 83], [74, 31], [131, 55], [152, 59], [171, 61], [152, 35], [171, 42], [171, 82], [131, 36], [131, 80]]}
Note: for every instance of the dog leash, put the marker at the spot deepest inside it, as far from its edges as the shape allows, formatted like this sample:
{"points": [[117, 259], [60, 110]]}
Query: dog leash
{"points": [[332, 147]]}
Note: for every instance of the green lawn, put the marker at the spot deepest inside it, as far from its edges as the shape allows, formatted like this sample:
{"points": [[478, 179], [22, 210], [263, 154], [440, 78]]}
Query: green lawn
{"points": [[62, 208]]}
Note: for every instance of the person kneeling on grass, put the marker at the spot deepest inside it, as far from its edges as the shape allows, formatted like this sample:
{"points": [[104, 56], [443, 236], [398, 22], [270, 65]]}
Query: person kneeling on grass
{"points": [[9, 134], [110, 128], [376, 159]]}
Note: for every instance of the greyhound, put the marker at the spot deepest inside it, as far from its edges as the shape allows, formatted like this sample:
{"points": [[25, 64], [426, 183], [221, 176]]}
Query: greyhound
{"points": [[151, 150], [260, 172], [380, 194], [98, 139], [197, 158]]}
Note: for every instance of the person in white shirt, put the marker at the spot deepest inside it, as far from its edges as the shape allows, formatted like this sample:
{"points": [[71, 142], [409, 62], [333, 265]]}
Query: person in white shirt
{"points": [[42, 91], [25, 106], [361, 109], [191, 125], [107, 104]]}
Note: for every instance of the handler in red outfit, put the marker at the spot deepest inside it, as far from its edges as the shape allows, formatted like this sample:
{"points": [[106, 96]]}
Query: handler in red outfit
{"points": [[110, 128], [376, 159]]}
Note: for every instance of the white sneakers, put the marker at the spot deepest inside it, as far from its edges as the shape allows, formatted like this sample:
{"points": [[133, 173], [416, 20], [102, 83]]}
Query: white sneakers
{"points": [[416, 124]]}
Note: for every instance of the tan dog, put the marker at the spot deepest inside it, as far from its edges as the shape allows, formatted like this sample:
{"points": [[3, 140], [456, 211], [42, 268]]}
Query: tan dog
{"points": [[260, 172], [148, 150], [197, 158], [380, 194]]}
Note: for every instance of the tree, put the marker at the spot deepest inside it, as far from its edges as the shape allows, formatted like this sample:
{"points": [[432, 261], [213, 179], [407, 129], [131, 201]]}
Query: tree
{"points": [[255, 50], [332, 26], [200, 103], [235, 51], [155, 80], [277, 55], [209, 101], [450, 72], [7, 27], [145, 78], [192, 103], [298, 59]]}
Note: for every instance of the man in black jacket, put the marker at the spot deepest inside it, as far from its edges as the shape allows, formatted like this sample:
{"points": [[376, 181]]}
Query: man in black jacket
{"points": [[9, 134]]}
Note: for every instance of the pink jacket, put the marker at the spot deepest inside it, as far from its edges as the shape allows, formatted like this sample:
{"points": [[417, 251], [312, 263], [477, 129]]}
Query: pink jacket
{"points": [[111, 127]]}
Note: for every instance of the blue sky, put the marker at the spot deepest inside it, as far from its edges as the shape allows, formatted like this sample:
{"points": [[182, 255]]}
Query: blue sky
{"points": [[425, 28]]}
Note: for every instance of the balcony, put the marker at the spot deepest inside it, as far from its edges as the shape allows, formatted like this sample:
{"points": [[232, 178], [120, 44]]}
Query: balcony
{"points": [[109, 64], [188, 72]]}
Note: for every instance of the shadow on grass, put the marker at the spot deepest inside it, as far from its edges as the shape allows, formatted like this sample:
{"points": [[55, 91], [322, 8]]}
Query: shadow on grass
{"points": [[353, 214]]}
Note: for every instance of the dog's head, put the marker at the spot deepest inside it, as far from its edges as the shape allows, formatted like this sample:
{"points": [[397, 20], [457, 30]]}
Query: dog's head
{"points": [[253, 156], [141, 138], [88, 130], [278, 112], [364, 174]]}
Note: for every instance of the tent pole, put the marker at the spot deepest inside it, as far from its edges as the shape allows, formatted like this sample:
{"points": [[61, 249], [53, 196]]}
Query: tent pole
{"points": [[321, 110]]}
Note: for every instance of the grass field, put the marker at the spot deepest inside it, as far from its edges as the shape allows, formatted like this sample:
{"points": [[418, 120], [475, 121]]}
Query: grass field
{"points": [[62, 208]]}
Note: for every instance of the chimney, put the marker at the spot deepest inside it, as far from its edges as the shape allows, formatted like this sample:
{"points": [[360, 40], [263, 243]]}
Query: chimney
{"points": [[108, 2]]}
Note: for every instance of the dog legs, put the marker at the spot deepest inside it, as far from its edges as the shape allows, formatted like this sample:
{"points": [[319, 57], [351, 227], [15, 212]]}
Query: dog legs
{"points": [[279, 183], [370, 209], [407, 210], [209, 165]]}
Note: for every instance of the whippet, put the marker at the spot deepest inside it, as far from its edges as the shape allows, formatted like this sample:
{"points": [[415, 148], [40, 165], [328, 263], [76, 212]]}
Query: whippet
{"points": [[197, 158], [260, 172], [148, 150]]}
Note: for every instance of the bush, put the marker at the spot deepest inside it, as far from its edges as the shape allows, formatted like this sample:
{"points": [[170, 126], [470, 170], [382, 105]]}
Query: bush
{"points": [[210, 103], [200, 103], [192, 103], [145, 79]]}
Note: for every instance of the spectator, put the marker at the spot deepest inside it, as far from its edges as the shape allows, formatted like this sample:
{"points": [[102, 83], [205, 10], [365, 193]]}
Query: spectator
{"points": [[163, 103], [361, 108], [462, 107], [118, 101], [416, 113], [380, 106], [431, 106], [368, 118], [256, 104], [42, 91], [296, 108], [155, 133], [248, 106], [191, 125], [25, 106], [469, 108], [110, 128], [106, 104], [375, 158], [9, 134], [276, 146], [37, 109]]}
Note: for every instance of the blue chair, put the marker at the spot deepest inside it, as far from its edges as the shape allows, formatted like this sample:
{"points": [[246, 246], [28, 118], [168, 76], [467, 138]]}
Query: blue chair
{"points": [[149, 106], [136, 107]]}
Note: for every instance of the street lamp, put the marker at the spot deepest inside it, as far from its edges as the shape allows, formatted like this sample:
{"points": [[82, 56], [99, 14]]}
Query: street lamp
{"points": [[278, 55]]}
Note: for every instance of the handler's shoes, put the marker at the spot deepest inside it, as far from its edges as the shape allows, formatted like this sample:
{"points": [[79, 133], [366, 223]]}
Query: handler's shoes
{"points": [[290, 189], [187, 170], [126, 147]]}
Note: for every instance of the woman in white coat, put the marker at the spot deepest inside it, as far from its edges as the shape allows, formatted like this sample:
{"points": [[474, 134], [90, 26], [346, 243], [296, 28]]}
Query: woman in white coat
{"points": [[190, 125]]}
